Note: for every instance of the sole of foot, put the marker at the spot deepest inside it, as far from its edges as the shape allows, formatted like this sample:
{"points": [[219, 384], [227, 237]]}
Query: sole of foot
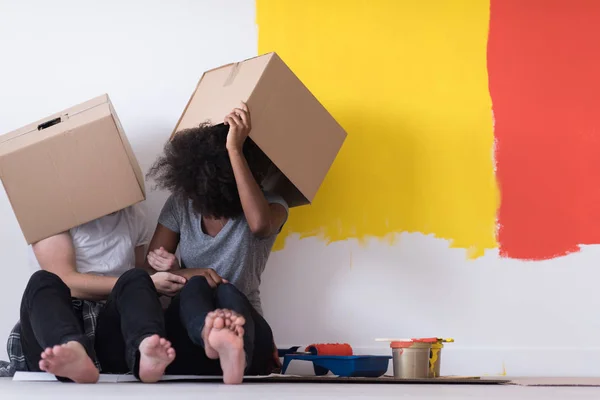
{"points": [[71, 361], [156, 354], [223, 337]]}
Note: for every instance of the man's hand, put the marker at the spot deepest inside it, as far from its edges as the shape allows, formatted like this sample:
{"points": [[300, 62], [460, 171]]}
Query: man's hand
{"points": [[239, 127], [162, 260], [168, 284]]}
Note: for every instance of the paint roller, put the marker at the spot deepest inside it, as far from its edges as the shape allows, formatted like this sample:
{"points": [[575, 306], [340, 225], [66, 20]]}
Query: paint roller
{"points": [[329, 349], [320, 349]]}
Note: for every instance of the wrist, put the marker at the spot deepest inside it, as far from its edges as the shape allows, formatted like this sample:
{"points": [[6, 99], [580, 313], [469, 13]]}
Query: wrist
{"points": [[234, 150]]}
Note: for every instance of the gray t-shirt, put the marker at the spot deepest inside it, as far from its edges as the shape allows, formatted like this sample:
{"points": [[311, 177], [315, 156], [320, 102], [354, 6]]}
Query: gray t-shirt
{"points": [[236, 254]]}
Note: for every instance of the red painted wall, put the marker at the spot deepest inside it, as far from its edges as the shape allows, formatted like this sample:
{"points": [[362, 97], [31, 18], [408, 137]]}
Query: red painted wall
{"points": [[544, 78]]}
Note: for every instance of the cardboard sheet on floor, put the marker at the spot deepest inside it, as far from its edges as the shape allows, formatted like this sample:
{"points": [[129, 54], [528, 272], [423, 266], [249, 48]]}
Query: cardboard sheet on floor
{"points": [[557, 381], [274, 378]]}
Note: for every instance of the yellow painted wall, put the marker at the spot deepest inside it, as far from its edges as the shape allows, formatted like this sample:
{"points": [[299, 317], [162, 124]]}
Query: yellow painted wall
{"points": [[408, 81]]}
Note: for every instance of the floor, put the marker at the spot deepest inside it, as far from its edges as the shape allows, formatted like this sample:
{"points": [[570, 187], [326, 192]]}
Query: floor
{"points": [[131, 391]]}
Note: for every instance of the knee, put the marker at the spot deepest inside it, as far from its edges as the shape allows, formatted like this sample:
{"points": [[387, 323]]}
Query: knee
{"points": [[134, 276], [226, 290], [43, 278], [196, 284]]}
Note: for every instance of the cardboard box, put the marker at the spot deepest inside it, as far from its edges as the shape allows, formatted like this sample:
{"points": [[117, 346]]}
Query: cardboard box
{"points": [[68, 169], [288, 123]]}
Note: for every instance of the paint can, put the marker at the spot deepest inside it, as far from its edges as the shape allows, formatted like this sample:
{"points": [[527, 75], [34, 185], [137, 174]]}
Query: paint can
{"points": [[411, 359]]}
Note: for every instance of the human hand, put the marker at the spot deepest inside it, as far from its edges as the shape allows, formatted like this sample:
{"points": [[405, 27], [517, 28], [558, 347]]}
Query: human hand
{"points": [[239, 127], [168, 284], [211, 276], [162, 260]]}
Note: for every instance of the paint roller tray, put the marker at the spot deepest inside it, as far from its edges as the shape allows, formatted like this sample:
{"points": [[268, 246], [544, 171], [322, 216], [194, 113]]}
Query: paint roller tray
{"points": [[345, 366]]}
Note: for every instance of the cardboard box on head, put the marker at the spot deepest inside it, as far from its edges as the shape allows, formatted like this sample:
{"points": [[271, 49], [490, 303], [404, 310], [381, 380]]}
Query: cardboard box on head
{"points": [[288, 123], [68, 169]]}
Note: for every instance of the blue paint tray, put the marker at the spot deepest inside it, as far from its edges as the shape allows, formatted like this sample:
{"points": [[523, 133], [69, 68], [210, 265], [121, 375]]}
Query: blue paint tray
{"points": [[345, 366]]}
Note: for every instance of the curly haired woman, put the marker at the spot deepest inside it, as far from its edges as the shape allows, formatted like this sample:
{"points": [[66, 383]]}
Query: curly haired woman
{"points": [[224, 226]]}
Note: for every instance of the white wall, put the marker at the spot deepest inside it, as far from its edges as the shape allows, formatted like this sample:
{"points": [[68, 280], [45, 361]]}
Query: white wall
{"points": [[529, 318], [522, 318]]}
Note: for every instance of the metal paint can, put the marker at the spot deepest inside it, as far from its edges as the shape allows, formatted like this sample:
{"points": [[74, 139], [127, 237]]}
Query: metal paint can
{"points": [[411, 359]]}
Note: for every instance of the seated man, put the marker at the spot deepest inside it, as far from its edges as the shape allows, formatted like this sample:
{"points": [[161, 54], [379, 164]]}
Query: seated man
{"points": [[90, 309]]}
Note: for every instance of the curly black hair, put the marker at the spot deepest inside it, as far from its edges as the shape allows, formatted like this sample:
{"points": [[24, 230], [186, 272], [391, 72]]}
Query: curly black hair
{"points": [[196, 166]]}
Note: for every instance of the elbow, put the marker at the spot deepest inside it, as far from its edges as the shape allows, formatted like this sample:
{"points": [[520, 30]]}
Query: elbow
{"points": [[260, 228], [69, 279]]}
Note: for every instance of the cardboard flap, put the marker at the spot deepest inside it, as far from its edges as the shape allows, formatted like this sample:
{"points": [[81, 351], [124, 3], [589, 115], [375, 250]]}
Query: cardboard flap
{"points": [[69, 111], [54, 126], [220, 90]]}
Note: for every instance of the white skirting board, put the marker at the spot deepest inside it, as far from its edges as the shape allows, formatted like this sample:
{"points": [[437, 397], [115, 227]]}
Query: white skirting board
{"points": [[497, 362]]}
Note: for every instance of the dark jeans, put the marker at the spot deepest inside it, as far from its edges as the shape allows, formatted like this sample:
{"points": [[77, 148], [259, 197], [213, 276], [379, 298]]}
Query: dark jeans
{"points": [[185, 320], [131, 313]]}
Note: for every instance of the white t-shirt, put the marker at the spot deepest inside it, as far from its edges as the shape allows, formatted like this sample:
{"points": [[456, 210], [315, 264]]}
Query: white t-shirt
{"points": [[106, 246]]}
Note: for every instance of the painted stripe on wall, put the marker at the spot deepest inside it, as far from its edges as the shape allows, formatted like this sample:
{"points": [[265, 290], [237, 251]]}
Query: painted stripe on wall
{"points": [[544, 66], [408, 81]]}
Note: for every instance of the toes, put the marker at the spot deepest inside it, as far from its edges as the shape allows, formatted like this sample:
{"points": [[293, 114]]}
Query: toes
{"points": [[171, 353], [154, 340], [210, 319], [239, 331], [46, 353], [43, 364], [165, 344], [238, 320], [219, 323]]}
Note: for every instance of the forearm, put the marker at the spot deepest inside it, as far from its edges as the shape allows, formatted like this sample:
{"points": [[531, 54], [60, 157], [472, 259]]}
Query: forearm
{"points": [[88, 286], [188, 273], [146, 267], [255, 206], [141, 261]]}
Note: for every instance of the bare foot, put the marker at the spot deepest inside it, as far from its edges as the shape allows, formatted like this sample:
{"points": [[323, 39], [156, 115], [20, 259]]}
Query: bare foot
{"points": [[156, 354], [225, 339], [231, 320], [69, 360]]}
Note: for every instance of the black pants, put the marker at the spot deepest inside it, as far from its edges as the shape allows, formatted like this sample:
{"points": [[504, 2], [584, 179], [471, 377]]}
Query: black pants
{"points": [[185, 320], [131, 313]]}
